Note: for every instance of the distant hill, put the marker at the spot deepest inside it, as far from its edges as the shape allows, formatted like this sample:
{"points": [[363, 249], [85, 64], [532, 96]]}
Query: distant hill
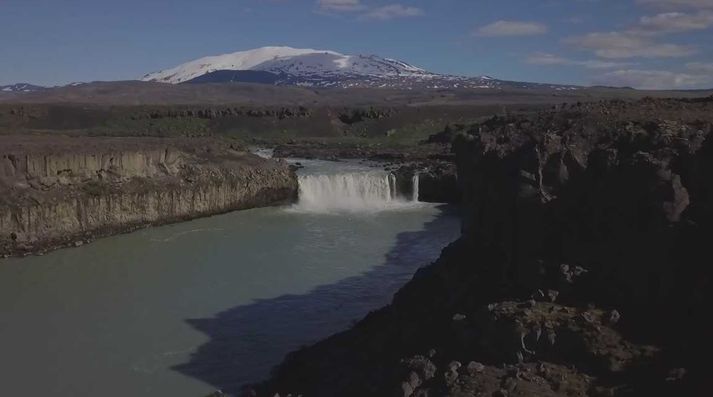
{"points": [[152, 93]]}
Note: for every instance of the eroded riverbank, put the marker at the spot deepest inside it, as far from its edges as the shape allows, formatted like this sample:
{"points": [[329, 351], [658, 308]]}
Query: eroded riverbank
{"points": [[61, 191]]}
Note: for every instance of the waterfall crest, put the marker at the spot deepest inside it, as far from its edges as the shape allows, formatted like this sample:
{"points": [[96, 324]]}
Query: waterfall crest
{"points": [[265, 153], [350, 192]]}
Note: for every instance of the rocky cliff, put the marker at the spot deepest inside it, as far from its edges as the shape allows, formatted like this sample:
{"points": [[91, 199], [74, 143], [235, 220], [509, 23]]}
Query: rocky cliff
{"points": [[582, 269], [437, 180], [66, 191]]}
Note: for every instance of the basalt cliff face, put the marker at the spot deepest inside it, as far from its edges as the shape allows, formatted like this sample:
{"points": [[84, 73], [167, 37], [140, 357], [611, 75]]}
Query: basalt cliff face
{"points": [[66, 191], [583, 268], [437, 180]]}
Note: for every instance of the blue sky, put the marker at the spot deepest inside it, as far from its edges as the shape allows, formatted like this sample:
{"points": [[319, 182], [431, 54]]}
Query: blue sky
{"points": [[641, 43]]}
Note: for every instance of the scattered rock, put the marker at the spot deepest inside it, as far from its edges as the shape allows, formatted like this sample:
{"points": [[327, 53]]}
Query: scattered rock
{"points": [[552, 295], [510, 384], [454, 366], [475, 368], [422, 367], [676, 374]]}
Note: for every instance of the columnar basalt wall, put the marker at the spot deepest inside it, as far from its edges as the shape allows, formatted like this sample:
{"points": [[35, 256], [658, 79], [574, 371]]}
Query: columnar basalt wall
{"points": [[437, 181], [59, 192]]}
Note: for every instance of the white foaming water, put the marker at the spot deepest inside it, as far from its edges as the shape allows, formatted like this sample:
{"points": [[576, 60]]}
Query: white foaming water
{"points": [[350, 189], [336, 187], [414, 183], [352, 192], [263, 152]]}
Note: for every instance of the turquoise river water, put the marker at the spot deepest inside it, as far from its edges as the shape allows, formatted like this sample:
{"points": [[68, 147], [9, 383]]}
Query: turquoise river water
{"points": [[185, 309]]}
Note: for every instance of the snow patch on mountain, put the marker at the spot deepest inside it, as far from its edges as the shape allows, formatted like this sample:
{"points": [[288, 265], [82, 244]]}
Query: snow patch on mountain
{"points": [[242, 60], [21, 88]]}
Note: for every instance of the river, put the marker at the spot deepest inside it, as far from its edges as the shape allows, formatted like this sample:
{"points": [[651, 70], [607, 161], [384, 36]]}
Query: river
{"points": [[185, 309]]}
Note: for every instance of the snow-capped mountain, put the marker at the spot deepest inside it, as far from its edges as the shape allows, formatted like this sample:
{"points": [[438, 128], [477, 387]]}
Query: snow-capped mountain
{"points": [[242, 60], [21, 87], [316, 68]]}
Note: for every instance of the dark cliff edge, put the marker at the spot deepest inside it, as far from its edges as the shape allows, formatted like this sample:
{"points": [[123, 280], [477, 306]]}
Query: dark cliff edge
{"points": [[61, 191], [437, 181], [582, 270]]}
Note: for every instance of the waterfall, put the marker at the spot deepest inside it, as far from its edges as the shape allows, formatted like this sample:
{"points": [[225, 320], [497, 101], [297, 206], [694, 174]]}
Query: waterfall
{"points": [[350, 191], [414, 184], [265, 153]]}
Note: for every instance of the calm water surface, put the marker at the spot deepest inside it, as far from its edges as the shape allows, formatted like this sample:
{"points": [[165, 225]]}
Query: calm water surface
{"points": [[183, 310]]}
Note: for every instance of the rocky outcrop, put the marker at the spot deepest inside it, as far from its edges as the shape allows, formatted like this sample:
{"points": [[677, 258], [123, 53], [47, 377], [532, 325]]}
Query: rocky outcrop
{"points": [[352, 116], [219, 112], [437, 181], [582, 269], [66, 191], [334, 151]]}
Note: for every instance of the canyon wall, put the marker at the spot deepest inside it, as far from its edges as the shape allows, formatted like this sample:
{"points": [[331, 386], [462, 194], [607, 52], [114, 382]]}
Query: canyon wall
{"points": [[437, 181], [66, 191], [583, 268]]}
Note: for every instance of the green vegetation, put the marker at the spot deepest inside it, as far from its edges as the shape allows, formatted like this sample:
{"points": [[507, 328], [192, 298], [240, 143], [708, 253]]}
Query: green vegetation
{"points": [[122, 126], [388, 127]]}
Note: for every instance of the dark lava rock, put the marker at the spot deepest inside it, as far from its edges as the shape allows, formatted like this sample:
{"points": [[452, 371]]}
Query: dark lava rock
{"points": [[619, 192], [437, 181]]}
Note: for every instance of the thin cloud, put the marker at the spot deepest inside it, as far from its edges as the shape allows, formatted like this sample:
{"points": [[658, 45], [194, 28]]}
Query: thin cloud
{"points": [[654, 79], [697, 4], [673, 22], [511, 28], [700, 67], [393, 11], [640, 40], [340, 5], [621, 45], [383, 13], [545, 59]]}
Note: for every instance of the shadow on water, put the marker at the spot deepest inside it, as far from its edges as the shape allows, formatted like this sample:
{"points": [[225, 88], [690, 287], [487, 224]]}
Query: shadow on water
{"points": [[246, 342]]}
